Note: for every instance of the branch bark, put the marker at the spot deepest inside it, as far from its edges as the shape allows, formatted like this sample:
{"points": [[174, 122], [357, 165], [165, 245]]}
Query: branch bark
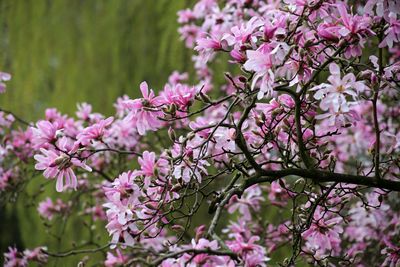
{"points": [[322, 177]]}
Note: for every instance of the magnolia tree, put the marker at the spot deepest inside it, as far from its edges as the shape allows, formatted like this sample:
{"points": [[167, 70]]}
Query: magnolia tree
{"points": [[295, 156]]}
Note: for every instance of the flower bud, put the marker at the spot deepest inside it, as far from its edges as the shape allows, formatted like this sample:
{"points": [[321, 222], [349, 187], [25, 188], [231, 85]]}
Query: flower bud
{"points": [[205, 98], [171, 134]]}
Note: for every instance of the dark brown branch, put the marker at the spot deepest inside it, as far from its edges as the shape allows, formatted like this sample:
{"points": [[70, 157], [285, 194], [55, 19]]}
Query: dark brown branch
{"points": [[322, 177], [18, 118], [75, 252], [240, 141]]}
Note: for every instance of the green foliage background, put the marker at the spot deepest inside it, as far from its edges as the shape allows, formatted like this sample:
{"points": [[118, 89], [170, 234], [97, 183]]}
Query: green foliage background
{"points": [[61, 52]]}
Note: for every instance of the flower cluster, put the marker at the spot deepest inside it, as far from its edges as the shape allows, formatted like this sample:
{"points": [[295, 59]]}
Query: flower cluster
{"points": [[15, 258]]}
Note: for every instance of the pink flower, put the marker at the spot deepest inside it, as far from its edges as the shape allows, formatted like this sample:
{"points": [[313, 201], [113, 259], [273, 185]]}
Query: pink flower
{"points": [[123, 188], [225, 139], [241, 34], [179, 94], [148, 163], [392, 33], [185, 16], [84, 111], [205, 259], [260, 62], [36, 255], [207, 43], [238, 56], [44, 134], [47, 209], [241, 246], [5, 121], [323, 237], [252, 254], [352, 24], [145, 111], [59, 164], [334, 96], [177, 77], [5, 179], [201, 122], [115, 260], [340, 118], [13, 258], [152, 167], [187, 170], [189, 34], [329, 31], [250, 201], [392, 253], [94, 132], [277, 195], [3, 78], [276, 28], [122, 206], [206, 46]]}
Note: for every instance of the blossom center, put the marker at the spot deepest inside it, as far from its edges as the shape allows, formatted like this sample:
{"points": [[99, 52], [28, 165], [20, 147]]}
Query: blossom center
{"points": [[340, 88]]}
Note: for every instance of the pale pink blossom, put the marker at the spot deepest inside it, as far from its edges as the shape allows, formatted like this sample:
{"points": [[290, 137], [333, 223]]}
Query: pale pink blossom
{"points": [[47, 209], [59, 164], [14, 258], [94, 132], [44, 133], [4, 77], [179, 94], [118, 259], [260, 61], [144, 111]]}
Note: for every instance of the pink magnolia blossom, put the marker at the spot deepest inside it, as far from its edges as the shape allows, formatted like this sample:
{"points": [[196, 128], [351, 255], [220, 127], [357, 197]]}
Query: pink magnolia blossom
{"points": [[85, 113], [204, 259], [206, 46], [392, 253], [37, 255], [252, 253], [260, 62], [179, 94], [4, 77], [59, 164], [323, 237], [335, 96], [188, 171], [329, 31], [145, 111], [47, 209], [13, 258], [352, 24], [94, 132], [242, 34], [392, 33], [44, 133], [250, 201], [115, 260], [177, 77], [150, 167]]}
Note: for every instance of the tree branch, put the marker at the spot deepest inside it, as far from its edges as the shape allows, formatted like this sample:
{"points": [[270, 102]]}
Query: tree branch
{"points": [[322, 177]]}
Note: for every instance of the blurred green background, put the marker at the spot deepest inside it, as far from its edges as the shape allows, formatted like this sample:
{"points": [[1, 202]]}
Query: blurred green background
{"points": [[61, 52]]}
